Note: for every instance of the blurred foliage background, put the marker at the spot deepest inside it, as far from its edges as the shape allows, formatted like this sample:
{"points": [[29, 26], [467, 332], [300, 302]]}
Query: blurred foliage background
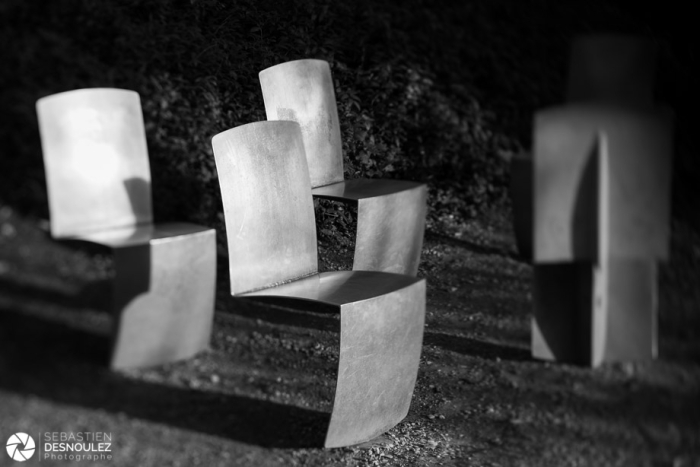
{"points": [[437, 91]]}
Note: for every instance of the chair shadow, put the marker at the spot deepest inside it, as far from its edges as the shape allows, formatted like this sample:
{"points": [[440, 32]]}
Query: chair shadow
{"points": [[473, 247], [63, 364], [473, 347], [306, 314], [95, 295]]}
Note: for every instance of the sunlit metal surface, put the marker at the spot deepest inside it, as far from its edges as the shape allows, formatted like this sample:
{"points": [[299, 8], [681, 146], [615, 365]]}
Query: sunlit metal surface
{"points": [[98, 179], [380, 346], [270, 223], [302, 91], [164, 299], [612, 69], [391, 213], [339, 287], [96, 160], [602, 180], [625, 320], [390, 222], [381, 314], [602, 218], [140, 234], [381, 332]]}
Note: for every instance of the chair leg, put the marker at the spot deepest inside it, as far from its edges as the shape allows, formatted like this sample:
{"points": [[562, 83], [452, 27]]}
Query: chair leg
{"points": [[390, 232], [380, 346], [164, 300], [590, 314], [625, 317]]}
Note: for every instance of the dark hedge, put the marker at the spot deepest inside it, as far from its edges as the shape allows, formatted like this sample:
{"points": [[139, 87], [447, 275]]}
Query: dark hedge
{"points": [[437, 91]]}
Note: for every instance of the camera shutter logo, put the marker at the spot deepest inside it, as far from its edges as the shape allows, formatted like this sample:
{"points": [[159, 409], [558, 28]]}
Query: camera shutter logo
{"points": [[21, 447]]}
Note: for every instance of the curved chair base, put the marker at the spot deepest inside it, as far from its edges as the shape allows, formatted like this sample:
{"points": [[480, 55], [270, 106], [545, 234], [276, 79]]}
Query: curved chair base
{"points": [[590, 314], [390, 223], [163, 292], [381, 334]]}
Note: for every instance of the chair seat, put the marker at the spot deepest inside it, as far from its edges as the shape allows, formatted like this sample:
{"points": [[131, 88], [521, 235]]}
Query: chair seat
{"points": [[390, 222], [139, 234], [338, 287], [362, 188]]}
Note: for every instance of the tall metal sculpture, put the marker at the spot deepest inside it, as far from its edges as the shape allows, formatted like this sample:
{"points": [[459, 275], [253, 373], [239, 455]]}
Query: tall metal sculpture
{"points": [[602, 174], [99, 187], [271, 235], [391, 213]]}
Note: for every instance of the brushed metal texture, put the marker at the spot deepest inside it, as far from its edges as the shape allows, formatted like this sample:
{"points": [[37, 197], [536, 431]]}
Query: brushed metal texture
{"points": [[391, 213], [97, 172], [381, 314], [382, 318], [380, 346], [164, 299], [302, 91], [268, 207], [98, 179]]}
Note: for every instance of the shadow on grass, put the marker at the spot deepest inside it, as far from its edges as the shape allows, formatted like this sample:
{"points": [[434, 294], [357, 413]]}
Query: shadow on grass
{"points": [[96, 294], [306, 314], [473, 247], [476, 348], [66, 365]]}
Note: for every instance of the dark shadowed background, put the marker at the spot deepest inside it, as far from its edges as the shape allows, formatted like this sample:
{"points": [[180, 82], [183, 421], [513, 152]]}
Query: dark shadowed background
{"points": [[437, 91]]}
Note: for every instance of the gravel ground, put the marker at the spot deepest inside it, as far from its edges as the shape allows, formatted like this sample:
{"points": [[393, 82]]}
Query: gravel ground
{"points": [[261, 395]]}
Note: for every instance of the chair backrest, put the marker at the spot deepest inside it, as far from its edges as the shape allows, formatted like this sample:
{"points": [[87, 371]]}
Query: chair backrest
{"points": [[612, 68], [96, 160], [269, 212], [302, 91], [602, 183]]}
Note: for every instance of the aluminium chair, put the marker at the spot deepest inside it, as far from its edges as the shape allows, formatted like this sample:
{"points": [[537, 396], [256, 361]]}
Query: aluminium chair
{"points": [[99, 186], [391, 213], [601, 197], [271, 234], [608, 69]]}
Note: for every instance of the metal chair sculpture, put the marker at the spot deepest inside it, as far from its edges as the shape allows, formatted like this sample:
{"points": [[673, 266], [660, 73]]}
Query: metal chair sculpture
{"points": [[391, 213], [602, 177], [609, 69], [272, 258], [98, 179]]}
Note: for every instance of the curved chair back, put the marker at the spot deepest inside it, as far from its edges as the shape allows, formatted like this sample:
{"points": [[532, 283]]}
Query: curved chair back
{"points": [[269, 212], [602, 183], [302, 91], [96, 160]]}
